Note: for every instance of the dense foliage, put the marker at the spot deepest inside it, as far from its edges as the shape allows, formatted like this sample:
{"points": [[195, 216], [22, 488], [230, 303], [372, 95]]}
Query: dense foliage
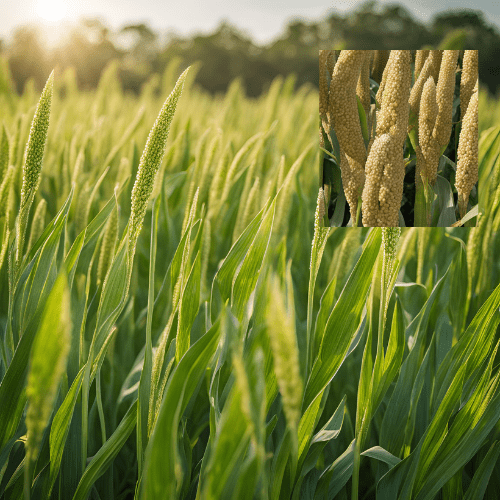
{"points": [[236, 349]]}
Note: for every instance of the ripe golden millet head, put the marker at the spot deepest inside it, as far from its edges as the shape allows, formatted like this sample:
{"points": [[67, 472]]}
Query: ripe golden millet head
{"points": [[380, 58], [363, 86], [343, 104], [469, 78], [383, 188], [467, 165], [430, 68], [353, 180], [420, 58], [436, 63], [426, 121], [393, 115], [444, 93]]}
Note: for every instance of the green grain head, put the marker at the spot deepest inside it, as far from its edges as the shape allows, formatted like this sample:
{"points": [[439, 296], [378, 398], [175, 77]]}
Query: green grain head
{"points": [[150, 162], [33, 158]]}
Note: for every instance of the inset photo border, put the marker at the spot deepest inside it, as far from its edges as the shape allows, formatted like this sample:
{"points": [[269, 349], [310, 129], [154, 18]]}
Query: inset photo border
{"points": [[399, 137]]}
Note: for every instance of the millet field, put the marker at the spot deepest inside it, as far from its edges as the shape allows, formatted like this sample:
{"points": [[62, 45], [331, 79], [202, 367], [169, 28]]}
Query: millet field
{"points": [[177, 323]]}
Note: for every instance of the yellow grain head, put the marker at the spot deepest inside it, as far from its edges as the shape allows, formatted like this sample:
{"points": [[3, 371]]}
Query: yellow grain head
{"points": [[429, 146], [380, 58], [363, 86], [420, 58], [444, 93], [353, 180], [430, 68], [393, 116], [469, 78], [343, 104], [467, 165], [383, 190]]}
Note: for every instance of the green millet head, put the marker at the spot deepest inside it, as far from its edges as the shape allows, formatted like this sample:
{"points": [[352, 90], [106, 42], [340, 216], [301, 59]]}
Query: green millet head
{"points": [[390, 240], [343, 104], [469, 78], [4, 152], [33, 156], [467, 165], [151, 159], [444, 93]]}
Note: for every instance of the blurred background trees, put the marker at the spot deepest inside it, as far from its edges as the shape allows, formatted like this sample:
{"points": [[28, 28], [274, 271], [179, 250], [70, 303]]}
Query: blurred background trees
{"points": [[228, 53]]}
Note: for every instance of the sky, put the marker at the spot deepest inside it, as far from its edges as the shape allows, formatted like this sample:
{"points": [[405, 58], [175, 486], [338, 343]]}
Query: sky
{"points": [[262, 20]]}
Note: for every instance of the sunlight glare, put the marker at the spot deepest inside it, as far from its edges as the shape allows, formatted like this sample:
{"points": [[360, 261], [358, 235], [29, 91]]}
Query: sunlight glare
{"points": [[51, 10]]}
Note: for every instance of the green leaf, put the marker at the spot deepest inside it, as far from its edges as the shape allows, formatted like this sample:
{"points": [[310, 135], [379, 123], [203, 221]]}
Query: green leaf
{"points": [[443, 207], [105, 456], [248, 274], [382, 455], [147, 366], [47, 364], [343, 321], [477, 487], [227, 271], [188, 308], [335, 477], [161, 467], [403, 403], [60, 428]]}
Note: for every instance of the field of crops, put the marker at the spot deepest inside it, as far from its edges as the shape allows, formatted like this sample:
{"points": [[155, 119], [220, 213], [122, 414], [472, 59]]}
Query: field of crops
{"points": [[181, 326]]}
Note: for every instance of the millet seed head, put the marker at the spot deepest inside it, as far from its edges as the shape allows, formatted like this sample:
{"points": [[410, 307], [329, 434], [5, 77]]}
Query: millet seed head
{"points": [[430, 148], [444, 93], [469, 78], [383, 188], [467, 165], [151, 159], [343, 104], [393, 116]]}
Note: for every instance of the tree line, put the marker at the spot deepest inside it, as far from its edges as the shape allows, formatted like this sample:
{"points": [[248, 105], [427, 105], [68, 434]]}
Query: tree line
{"points": [[227, 53]]}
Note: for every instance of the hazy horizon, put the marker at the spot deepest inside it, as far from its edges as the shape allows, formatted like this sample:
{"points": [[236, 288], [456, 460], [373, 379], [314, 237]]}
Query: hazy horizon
{"points": [[262, 21]]}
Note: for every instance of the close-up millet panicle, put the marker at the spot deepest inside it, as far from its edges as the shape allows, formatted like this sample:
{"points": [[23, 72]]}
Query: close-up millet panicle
{"points": [[427, 142], [343, 104], [363, 86], [467, 165], [393, 122], [385, 165], [420, 58], [430, 68], [444, 94], [468, 79], [380, 58]]}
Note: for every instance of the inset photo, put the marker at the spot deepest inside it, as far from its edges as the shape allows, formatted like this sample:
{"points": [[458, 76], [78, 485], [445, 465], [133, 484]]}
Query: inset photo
{"points": [[399, 137]]}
